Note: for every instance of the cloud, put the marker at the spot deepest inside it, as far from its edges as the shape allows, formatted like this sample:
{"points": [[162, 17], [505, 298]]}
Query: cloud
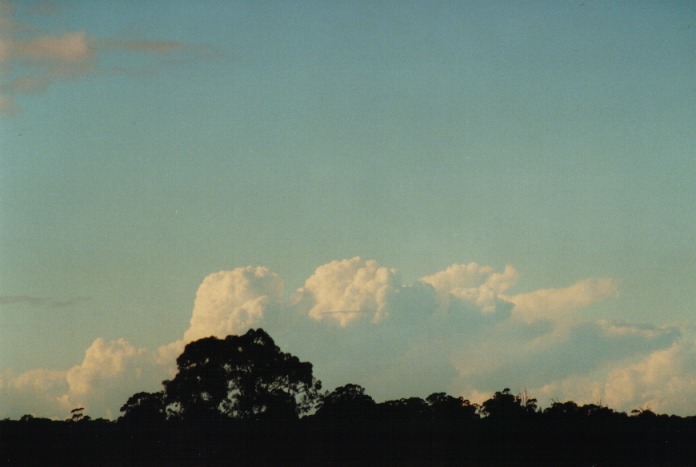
{"points": [[38, 301], [142, 45], [230, 302], [108, 373], [8, 106], [555, 303], [28, 84], [455, 330], [11, 299], [69, 48], [32, 59], [480, 285], [658, 380], [45, 7], [347, 290], [106, 377], [34, 392], [578, 349]]}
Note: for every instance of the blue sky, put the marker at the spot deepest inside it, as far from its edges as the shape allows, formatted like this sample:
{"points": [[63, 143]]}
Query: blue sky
{"points": [[362, 155]]}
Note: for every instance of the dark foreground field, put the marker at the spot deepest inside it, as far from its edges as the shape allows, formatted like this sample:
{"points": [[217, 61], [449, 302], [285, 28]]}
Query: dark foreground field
{"points": [[540, 440]]}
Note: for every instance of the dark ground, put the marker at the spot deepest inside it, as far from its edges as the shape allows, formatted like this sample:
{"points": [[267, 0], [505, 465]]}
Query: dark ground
{"points": [[619, 440]]}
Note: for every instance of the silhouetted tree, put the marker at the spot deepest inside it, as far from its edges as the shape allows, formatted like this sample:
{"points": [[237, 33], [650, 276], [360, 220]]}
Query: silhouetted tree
{"points": [[410, 408], [349, 401], [245, 377], [78, 415], [505, 405], [568, 410], [144, 408], [446, 407], [600, 412], [644, 413]]}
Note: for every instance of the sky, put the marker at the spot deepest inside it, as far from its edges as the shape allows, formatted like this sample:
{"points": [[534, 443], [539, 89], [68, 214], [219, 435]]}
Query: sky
{"points": [[454, 196]]}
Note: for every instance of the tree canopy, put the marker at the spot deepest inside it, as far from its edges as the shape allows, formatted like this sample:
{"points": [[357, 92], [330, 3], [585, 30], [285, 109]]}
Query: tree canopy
{"points": [[348, 401], [505, 405], [243, 377], [144, 407]]}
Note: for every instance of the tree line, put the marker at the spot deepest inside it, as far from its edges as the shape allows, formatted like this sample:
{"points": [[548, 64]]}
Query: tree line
{"points": [[241, 400]]}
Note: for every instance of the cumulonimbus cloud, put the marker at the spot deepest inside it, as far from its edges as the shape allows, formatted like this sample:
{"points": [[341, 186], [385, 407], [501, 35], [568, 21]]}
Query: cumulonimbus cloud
{"points": [[449, 331]]}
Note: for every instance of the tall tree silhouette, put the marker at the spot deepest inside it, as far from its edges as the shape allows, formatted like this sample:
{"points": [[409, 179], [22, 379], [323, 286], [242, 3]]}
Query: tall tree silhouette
{"points": [[244, 377]]}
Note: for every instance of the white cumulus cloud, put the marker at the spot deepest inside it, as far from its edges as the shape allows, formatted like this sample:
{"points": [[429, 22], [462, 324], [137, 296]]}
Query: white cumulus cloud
{"points": [[108, 372], [480, 285], [662, 381], [230, 302], [106, 377], [344, 291], [34, 392]]}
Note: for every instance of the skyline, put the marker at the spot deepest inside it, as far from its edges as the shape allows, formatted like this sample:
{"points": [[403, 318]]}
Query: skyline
{"points": [[505, 189]]}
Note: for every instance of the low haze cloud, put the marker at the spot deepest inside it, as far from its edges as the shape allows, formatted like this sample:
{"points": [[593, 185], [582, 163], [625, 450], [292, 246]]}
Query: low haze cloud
{"points": [[456, 330]]}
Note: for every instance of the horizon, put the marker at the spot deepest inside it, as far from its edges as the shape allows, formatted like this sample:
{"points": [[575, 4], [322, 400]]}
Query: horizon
{"points": [[456, 197]]}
